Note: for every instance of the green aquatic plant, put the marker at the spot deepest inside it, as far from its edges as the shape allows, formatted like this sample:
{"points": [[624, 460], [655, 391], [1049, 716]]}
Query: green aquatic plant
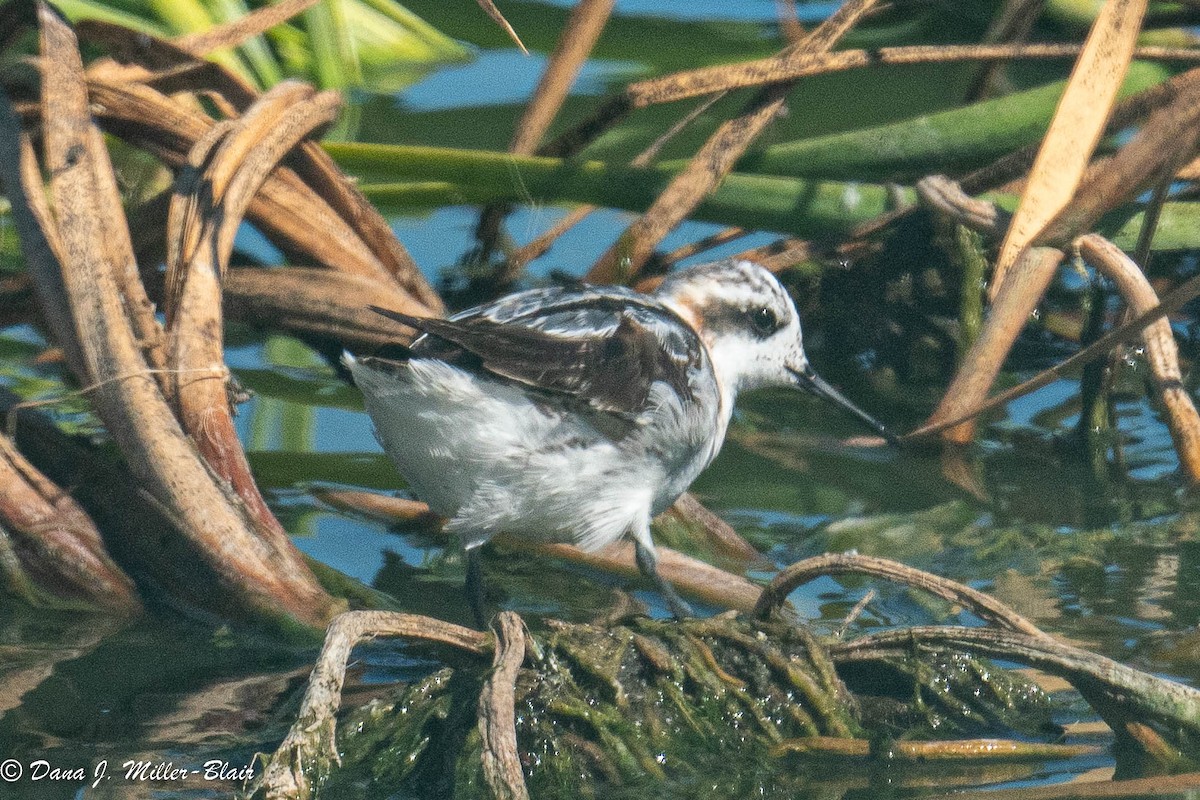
{"points": [[378, 45]]}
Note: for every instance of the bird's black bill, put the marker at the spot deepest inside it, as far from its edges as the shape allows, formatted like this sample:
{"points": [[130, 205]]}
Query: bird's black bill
{"points": [[810, 381]]}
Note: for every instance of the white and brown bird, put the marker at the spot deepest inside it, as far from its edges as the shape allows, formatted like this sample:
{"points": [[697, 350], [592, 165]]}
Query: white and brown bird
{"points": [[576, 414]]}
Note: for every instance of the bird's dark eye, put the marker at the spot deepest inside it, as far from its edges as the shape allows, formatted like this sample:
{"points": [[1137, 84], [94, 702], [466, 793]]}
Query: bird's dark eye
{"points": [[764, 321]]}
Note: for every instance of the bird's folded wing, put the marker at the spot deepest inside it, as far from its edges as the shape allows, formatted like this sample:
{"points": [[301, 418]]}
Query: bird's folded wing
{"points": [[610, 369]]}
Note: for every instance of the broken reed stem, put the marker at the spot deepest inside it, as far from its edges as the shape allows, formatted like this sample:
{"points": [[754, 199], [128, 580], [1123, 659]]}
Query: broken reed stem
{"points": [[584, 26], [489, 8], [709, 80], [522, 256], [1168, 130], [981, 605], [624, 260]]}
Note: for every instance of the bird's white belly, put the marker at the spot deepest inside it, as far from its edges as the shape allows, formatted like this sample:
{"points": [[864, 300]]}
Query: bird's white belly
{"points": [[487, 456]]}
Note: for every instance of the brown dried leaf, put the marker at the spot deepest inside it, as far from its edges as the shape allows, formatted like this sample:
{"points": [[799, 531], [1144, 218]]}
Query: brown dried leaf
{"points": [[1076, 129]]}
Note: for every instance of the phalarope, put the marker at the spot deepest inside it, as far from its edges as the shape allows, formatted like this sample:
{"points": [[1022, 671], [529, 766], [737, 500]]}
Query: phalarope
{"points": [[576, 414]]}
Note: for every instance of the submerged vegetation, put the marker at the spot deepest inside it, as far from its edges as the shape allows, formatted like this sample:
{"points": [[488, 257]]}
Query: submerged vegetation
{"points": [[954, 206]]}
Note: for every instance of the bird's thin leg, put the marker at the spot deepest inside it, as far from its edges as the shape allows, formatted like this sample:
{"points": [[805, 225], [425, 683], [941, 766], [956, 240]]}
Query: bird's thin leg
{"points": [[647, 561], [474, 587]]}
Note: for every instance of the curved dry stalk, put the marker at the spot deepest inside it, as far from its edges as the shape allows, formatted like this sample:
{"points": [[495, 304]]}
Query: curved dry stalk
{"points": [[310, 746], [623, 261], [49, 545], [497, 717], [226, 169], [947, 198], [213, 533], [286, 210], [1162, 354], [981, 605], [330, 205], [1118, 693]]}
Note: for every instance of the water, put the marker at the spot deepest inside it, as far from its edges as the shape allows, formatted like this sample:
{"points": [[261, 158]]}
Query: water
{"points": [[1113, 567]]}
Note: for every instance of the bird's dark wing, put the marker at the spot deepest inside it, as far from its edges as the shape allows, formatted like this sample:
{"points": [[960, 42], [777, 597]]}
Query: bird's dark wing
{"points": [[610, 367]]}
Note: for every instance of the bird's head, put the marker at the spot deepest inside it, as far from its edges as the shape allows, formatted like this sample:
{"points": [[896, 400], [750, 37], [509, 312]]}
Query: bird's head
{"points": [[750, 326]]}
